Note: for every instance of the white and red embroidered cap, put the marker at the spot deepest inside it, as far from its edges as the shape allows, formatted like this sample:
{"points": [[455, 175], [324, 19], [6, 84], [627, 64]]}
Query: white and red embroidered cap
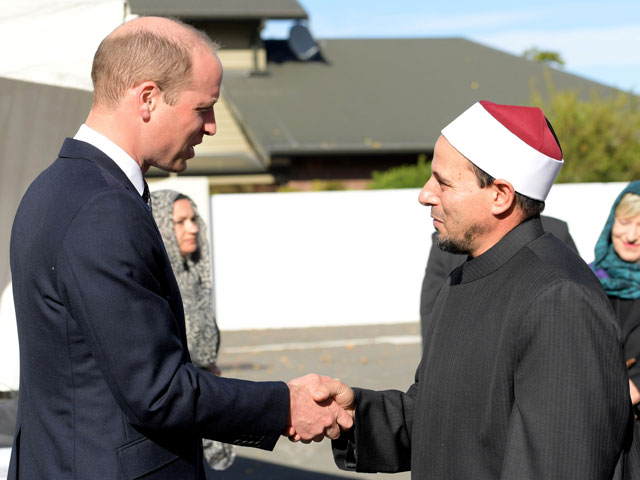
{"points": [[510, 142]]}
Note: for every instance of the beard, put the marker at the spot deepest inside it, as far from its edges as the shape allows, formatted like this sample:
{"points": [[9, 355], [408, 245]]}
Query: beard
{"points": [[460, 246]]}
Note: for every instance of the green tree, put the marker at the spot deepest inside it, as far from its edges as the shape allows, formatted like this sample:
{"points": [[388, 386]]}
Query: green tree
{"points": [[600, 137], [544, 56], [404, 176]]}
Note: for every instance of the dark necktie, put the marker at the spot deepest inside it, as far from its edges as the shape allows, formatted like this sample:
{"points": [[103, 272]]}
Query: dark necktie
{"points": [[146, 196]]}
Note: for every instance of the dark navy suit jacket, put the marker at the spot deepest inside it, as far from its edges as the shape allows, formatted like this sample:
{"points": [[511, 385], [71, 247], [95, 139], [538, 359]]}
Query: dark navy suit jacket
{"points": [[107, 389]]}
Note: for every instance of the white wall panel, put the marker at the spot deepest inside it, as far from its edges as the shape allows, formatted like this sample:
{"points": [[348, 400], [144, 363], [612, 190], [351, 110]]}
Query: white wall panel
{"points": [[338, 258]]}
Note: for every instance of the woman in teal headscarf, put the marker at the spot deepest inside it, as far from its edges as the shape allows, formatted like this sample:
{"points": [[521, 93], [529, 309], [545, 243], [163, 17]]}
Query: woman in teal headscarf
{"points": [[617, 265]]}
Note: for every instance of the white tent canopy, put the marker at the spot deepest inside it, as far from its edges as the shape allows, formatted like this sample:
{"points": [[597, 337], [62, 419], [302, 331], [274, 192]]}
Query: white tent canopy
{"points": [[53, 41]]}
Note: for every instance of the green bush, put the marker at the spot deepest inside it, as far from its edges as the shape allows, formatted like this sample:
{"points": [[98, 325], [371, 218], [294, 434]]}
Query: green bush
{"points": [[600, 137], [404, 176]]}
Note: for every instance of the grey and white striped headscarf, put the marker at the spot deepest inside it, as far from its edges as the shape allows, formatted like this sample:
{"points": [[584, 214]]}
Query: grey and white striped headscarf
{"points": [[193, 273]]}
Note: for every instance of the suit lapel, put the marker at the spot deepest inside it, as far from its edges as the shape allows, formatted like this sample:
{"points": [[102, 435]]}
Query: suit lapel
{"points": [[77, 149]]}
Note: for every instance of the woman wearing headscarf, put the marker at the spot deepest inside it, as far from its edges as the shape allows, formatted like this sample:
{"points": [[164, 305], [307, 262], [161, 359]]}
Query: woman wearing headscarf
{"points": [[617, 265], [183, 233]]}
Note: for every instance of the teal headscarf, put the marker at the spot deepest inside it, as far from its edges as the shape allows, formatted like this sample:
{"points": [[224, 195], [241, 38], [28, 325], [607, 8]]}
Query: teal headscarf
{"points": [[619, 278]]}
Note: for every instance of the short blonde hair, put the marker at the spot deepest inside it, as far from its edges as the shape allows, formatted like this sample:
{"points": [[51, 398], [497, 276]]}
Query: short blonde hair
{"points": [[124, 60], [629, 206]]}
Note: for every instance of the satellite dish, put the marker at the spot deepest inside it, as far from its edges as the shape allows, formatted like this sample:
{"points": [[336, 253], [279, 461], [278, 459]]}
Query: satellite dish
{"points": [[302, 43]]}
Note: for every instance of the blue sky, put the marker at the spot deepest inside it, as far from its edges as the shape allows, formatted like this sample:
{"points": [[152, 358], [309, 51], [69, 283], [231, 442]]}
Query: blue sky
{"points": [[598, 40]]}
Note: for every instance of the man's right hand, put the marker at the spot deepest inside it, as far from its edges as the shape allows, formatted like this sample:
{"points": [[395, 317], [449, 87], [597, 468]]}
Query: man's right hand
{"points": [[319, 406]]}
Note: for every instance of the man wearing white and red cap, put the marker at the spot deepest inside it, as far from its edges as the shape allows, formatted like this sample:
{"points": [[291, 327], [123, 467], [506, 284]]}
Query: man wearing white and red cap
{"points": [[522, 374]]}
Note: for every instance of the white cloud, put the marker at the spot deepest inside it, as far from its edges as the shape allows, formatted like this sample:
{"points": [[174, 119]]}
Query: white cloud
{"points": [[368, 23], [581, 47], [444, 25], [605, 54]]}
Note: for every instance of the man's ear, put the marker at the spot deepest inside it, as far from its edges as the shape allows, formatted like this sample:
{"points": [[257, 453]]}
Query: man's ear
{"points": [[147, 95], [503, 197]]}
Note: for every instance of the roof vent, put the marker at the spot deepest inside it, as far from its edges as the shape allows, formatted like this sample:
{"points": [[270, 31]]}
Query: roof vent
{"points": [[302, 43]]}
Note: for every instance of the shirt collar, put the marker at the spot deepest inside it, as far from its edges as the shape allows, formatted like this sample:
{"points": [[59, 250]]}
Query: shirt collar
{"points": [[501, 252], [121, 158]]}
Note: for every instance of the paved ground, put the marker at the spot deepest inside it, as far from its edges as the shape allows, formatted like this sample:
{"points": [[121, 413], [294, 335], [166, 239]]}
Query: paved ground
{"points": [[371, 356]]}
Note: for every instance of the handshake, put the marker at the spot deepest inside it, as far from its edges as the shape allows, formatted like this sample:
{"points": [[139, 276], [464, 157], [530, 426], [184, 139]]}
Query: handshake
{"points": [[319, 406]]}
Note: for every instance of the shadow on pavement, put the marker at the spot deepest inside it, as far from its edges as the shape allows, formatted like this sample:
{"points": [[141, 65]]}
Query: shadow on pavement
{"points": [[247, 468]]}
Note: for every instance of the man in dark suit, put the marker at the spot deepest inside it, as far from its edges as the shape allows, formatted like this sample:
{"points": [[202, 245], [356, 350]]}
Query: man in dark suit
{"points": [[440, 264], [522, 374], [107, 389]]}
